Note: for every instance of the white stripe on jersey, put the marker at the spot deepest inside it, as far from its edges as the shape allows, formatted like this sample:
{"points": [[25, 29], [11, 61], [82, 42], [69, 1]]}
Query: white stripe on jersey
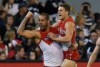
{"points": [[52, 54]]}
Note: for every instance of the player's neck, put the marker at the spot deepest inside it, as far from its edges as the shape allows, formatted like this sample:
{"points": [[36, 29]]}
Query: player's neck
{"points": [[66, 17], [46, 29]]}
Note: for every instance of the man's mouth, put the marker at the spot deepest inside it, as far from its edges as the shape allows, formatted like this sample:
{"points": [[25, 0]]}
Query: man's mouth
{"points": [[60, 15]]}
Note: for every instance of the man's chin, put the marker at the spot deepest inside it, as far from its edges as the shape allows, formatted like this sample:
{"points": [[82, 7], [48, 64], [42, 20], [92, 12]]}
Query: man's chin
{"points": [[60, 18], [42, 29]]}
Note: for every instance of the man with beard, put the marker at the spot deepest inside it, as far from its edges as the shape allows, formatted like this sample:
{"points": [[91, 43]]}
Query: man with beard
{"points": [[52, 52]]}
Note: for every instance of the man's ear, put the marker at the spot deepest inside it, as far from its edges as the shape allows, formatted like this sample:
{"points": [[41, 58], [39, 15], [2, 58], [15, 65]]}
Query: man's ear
{"points": [[67, 12], [48, 22]]}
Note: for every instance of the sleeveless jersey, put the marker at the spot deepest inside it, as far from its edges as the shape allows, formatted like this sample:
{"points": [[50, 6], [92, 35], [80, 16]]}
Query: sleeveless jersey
{"points": [[52, 51], [69, 54]]}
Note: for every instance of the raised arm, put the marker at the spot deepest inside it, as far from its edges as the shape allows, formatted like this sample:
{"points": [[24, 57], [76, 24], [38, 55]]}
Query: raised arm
{"points": [[94, 54], [26, 33]]}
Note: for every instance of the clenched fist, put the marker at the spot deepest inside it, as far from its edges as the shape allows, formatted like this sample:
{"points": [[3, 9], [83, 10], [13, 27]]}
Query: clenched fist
{"points": [[29, 14]]}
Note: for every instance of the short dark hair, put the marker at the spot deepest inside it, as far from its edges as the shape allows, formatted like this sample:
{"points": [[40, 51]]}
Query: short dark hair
{"points": [[2, 52], [93, 31], [1, 12], [9, 15], [66, 6], [18, 48], [46, 15], [21, 5], [86, 3]]}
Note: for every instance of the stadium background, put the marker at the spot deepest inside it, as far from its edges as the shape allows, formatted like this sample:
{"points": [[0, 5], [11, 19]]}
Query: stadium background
{"points": [[76, 4]]}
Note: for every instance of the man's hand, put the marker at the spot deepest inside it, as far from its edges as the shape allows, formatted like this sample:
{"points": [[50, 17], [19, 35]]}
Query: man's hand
{"points": [[51, 36], [29, 14], [22, 25], [73, 46]]}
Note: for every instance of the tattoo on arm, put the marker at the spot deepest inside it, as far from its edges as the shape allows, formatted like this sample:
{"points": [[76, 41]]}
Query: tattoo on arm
{"points": [[22, 25]]}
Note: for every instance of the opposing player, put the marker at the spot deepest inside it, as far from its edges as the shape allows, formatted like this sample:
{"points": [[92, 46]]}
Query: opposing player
{"points": [[94, 54], [66, 27], [52, 52]]}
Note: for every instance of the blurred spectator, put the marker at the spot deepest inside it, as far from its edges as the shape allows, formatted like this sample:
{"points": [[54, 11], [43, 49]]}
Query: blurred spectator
{"points": [[11, 42], [20, 53], [2, 23], [39, 54], [3, 47], [19, 1], [91, 43], [73, 12], [1, 7], [10, 36], [15, 1], [88, 14], [81, 42], [80, 24], [51, 7], [11, 7], [9, 22], [35, 6], [3, 56], [29, 46], [21, 13], [32, 55], [97, 23]]}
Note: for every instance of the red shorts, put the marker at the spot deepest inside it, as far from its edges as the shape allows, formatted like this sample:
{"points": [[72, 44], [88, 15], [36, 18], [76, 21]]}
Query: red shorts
{"points": [[72, 55]]}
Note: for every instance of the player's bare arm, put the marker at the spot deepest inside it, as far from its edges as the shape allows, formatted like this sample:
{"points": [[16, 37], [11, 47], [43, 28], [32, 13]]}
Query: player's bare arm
{"points": [[68, 33], [94, 54], [26, 33]]}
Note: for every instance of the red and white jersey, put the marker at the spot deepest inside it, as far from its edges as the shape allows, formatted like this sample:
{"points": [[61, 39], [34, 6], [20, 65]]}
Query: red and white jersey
{"points": [[52, 51], [68, 54], [62, 31]]}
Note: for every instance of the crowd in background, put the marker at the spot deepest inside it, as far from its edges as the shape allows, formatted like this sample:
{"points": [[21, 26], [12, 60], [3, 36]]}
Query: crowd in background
{"points": [[15, 47]]}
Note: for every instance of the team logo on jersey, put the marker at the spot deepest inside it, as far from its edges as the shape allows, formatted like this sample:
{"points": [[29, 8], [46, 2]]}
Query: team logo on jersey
{"points": [[47, 37], [62, 31]]}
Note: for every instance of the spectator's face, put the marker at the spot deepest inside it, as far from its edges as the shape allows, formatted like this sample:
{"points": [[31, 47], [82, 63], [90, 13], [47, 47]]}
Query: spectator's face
{"points": [[11, 1], [32, 55], [94, 36], [22, 52], [62, 13], [3, 56], [81, 34], [38, 51], [23, 9], [3, 15], [43, 23], [10, 20]]}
